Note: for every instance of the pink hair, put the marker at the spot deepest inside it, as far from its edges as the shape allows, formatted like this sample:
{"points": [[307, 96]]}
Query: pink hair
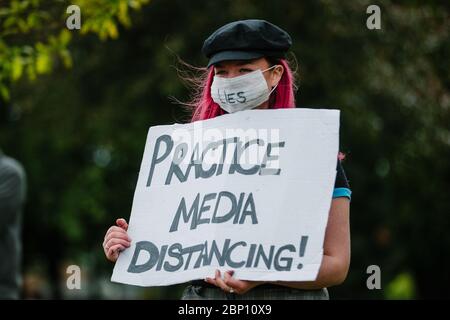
{"points": [[282, 97]]}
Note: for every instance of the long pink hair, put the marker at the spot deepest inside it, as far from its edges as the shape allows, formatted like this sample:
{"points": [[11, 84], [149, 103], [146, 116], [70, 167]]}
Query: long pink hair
{"points": [[205, 108]]}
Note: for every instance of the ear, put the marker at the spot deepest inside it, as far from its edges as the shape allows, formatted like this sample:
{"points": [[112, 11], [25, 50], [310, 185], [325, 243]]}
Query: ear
{"points": [[277, 73]]}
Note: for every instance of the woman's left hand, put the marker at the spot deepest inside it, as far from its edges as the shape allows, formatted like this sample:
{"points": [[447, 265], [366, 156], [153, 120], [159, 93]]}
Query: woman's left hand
{"points": [[230, 284]]}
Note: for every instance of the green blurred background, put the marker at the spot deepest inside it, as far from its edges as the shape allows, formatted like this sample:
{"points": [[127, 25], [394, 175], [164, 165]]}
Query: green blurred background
{"points": [[76, 106]]}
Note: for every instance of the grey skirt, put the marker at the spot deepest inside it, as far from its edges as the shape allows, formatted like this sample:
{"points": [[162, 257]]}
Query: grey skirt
{"points": [[198, 292]]}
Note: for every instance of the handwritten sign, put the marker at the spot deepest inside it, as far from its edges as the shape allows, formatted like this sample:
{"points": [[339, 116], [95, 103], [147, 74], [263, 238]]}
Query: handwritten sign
{"points": [[248, 192]]}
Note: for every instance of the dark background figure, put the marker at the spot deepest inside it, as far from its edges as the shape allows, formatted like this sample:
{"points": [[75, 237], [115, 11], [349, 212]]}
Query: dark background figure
{"points": [[79, 104], [12, 197]]}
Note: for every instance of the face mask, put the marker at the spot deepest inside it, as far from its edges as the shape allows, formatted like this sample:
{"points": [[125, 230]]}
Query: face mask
{"points": [[241, 93]]}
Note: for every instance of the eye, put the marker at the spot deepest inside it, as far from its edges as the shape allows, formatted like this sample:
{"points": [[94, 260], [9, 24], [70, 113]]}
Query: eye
{"points": [[245, 70], [220, 72]]}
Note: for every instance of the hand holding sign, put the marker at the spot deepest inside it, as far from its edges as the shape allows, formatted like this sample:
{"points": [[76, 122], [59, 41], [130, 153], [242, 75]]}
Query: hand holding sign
{"points": [[249, 191]]}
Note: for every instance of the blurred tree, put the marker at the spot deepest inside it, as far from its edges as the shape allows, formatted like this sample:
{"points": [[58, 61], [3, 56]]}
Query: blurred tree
{"points": [[34, 40]]}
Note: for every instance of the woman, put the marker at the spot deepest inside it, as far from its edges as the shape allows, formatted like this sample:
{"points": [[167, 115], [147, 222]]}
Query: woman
{"points": [[247, 70]]}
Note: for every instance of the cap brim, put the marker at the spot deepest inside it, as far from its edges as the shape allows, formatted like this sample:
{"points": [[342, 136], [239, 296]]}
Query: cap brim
{"points": [[233, 55]]}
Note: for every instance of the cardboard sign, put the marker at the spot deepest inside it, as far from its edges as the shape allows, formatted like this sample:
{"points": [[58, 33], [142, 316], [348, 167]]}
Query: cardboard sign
{"points": [[248, 192]]}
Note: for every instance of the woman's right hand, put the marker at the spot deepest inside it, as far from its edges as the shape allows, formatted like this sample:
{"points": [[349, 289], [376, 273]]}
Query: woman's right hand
{"points": [[116, 240]]}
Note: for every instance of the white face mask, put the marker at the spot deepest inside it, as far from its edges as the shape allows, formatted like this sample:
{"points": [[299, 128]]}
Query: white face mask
{"points": [[242, 92]]}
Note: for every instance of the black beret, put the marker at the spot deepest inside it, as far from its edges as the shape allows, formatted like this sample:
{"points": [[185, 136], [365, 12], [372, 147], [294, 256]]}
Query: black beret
{"points": [[245, 40]]}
